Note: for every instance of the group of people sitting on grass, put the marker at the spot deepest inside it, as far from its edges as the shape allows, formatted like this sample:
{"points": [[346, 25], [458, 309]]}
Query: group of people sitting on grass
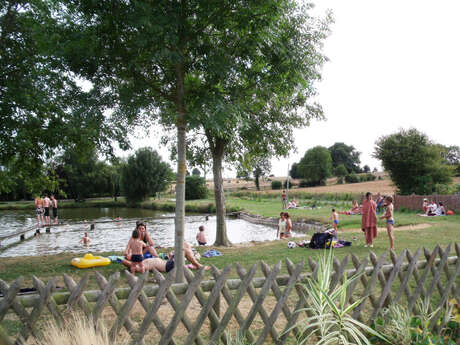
{"points": [[432, 209], [140, 254]]}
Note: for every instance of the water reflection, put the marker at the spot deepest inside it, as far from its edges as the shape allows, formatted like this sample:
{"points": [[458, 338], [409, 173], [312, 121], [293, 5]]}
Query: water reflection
{"points": [[113, 236]]}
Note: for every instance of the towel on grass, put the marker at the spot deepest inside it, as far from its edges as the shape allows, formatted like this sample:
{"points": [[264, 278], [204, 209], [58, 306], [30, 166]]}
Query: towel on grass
{"points": [[211, 252]]}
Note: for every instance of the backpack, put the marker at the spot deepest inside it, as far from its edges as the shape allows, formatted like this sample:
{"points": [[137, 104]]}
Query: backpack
{"points": [[319, 240]]}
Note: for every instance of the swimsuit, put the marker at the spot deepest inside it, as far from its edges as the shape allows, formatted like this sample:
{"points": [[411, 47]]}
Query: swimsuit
{"points": [[39, 211], [336, 221], [390, 221], [137, 258], [169, 265], [47, 211], [201, 243], [55, 212]]}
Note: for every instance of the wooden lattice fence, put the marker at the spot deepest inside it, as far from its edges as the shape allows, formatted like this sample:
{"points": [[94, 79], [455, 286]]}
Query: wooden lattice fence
{"points": [[203, 311], [415, 202]]}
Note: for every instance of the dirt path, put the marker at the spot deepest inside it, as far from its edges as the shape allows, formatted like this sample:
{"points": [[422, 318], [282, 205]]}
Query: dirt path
{"points": [[399, 228]]}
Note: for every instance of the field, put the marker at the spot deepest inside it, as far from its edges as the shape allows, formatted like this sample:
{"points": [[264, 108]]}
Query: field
{"points": [[384, 186]]}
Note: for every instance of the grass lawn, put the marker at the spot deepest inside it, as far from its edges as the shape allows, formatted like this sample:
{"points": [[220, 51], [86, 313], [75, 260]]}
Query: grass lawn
{"points": [[439, 230]]}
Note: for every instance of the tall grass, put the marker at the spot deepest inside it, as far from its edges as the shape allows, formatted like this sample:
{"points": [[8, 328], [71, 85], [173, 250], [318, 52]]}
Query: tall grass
{"points": [[78, 330]]}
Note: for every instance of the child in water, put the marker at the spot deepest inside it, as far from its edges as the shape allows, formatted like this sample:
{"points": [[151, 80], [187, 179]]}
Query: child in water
{"points": [[201, 237], [85, 240], [135, 252], [335, 219]]}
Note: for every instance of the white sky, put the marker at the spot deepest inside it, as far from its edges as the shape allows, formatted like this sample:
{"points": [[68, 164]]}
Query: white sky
{"points": [[393, 64]]}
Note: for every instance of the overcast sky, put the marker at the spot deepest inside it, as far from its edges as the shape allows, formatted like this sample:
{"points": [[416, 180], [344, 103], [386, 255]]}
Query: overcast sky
{"points": [[393, 64]]}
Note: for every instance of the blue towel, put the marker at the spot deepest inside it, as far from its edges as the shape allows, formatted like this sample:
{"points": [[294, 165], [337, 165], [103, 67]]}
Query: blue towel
{"points": [[211, 252], [115, 258], [147, 255]]}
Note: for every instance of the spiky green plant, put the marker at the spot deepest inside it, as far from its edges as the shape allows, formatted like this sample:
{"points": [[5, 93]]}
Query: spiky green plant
{"points": [[330, 321], [237, 339], [397, 324]]}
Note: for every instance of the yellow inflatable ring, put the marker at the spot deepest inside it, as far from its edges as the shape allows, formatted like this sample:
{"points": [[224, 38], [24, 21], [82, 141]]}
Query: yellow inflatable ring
{"points": [[90, 261]]}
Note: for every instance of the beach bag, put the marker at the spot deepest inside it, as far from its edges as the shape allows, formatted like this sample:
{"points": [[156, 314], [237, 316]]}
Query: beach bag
{"points": [[319, 240]]}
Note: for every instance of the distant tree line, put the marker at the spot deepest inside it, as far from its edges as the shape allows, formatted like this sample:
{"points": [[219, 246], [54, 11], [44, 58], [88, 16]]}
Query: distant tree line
{"points": [[414, 162], [79, 175]]}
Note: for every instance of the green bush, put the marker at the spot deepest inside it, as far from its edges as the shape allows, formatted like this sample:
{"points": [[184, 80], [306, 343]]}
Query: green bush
{"points": [[367, 177], [352, 178], [276, 184], [340, 180], [144, 174], [195, 188]]}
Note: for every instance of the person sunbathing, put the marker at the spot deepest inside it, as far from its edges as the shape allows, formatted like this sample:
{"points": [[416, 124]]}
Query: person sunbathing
{"points": [[356, 209]]}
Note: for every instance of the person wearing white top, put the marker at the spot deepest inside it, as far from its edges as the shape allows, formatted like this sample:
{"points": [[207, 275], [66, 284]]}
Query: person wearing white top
{"points": [[281, 226], [432, 209]]}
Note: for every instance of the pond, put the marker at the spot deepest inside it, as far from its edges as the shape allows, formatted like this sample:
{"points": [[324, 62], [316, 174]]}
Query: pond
{"points": [[113, 235]]}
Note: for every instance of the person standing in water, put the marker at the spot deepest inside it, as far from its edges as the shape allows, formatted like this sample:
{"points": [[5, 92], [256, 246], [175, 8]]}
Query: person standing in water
{"points": [[39, 210], [46, 206], [55, 208]]}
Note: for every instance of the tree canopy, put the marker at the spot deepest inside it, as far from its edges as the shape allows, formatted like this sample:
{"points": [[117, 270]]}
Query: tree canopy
{"points": [[144, 174], [42, 108], [414, 162], [346, 155], [316, 165]]}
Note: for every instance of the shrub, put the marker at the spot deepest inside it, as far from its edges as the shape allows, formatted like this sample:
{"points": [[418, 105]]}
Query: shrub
{"points": [[306, 183], [195, 188], [340, 180], [276, 184], [367, 177], [144, 174], [352, 178]]}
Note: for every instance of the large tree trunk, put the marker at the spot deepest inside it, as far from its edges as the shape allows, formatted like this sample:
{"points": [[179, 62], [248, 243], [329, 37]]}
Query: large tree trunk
{"points": [[219, 195], [180, 179]]}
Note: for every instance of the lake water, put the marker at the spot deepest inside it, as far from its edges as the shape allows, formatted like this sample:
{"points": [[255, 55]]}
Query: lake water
{"points": [[113, 236]]}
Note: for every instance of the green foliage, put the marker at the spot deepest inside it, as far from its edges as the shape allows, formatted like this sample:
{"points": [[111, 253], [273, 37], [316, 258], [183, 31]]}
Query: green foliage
{"points": [[195, 188], [341, 171], [451, 155], [366, 169], [80, 173], [414, 163], [340, 180], [330, 322], [42, 108], [276, 184], [294, 172], [367, 177], [144, 174], [346, 155], [316, 165], [196, 172], [397, 323], [262, 167], [352, 178]]}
